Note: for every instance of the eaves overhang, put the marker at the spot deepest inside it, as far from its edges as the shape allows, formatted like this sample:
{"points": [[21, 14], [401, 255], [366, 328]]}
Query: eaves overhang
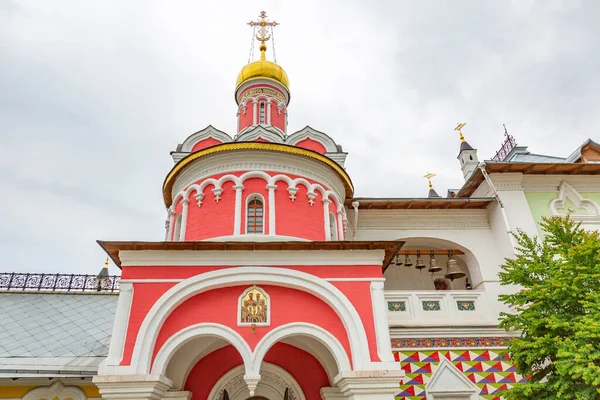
{"points": [[427, 203], [528, 169], [390, 247]]}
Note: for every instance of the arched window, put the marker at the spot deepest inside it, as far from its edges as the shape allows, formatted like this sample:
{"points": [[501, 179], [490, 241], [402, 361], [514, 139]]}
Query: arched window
{"points": [[177, 230], [255, 215], [261, 119], [333, 227]]}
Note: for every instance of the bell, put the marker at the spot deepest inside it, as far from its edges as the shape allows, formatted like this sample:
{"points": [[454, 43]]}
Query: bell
{"points": [[433, 265], [454, 271], [407, 262], [398, 259], [420, 263]]}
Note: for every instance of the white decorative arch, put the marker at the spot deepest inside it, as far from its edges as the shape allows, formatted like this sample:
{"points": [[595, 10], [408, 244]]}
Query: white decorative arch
{"points": [[301, 329], [57, 390], [566, 191], [185, 335], [310, 133], [206, 133], [274, 380], [448, 382], [268, 133], [169, 301]]}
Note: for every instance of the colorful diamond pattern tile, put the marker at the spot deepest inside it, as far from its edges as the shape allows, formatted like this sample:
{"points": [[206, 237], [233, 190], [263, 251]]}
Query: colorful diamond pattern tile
{"points": [[489, 370]]}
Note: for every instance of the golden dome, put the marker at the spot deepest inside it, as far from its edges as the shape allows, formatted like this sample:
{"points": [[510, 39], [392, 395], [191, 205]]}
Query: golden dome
{"points": [[263, 69]]}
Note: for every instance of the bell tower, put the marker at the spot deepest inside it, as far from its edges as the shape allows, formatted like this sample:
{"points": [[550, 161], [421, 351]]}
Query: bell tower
{"points": [[262, 88], [467, 154]]}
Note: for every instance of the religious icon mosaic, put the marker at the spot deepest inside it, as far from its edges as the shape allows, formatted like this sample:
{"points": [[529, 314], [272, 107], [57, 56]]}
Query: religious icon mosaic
{"points": [[254, 307]]}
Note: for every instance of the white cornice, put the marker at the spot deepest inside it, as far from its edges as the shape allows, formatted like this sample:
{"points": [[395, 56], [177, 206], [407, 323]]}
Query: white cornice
{"points": [[250, 258], [423, 219], [450, 331], [221, 163], [550, 183], [510, 181]]}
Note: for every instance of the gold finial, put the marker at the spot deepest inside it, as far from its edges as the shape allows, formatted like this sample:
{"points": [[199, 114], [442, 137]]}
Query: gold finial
{"points": [[262, 32], [428, 176], [458, 128], [106, 263]]}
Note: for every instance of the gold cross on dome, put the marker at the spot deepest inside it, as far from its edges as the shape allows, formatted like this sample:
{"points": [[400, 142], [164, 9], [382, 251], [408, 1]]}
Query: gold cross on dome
{"points": [[458, 128], [428, 176], [263, 25]]}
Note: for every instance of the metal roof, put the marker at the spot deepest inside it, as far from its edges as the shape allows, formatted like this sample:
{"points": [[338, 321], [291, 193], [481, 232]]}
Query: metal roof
{"points": [[54, 325]]}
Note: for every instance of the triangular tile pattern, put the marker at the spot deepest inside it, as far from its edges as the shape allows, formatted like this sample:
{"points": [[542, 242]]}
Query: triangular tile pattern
{"points": [[489, 370], [56, 325]]}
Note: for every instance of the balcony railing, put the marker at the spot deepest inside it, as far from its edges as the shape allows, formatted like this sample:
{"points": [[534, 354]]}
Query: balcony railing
{"points": [[435, 308], [58, 282]]}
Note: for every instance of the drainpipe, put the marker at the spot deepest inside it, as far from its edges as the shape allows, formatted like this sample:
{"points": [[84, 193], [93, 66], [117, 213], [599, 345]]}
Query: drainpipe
{"points": [[355, 205], [502, 210]]}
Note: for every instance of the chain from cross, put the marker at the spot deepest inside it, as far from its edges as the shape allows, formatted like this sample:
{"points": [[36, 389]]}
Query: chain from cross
{"points": [[263, 25]]}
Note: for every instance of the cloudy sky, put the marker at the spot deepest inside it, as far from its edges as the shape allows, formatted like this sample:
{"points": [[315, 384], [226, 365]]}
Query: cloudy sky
{"points": [[95, 94]]}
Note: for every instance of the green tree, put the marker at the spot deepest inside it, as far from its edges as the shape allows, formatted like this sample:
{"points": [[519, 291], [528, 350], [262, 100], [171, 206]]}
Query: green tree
{"points": [[557, 312]]}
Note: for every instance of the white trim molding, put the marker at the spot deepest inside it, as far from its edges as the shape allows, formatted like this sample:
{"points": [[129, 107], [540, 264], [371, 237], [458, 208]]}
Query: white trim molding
{"points": [[209, 132], [131, 258], [119, 332]]}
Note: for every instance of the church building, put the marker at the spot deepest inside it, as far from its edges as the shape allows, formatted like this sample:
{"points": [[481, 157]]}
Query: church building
{"points": [[273, 281]]}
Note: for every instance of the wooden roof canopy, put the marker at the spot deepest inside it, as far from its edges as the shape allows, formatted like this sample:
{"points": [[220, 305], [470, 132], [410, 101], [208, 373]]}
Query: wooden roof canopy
{"points": [[432, 203], [390, 247], [526, 168]]}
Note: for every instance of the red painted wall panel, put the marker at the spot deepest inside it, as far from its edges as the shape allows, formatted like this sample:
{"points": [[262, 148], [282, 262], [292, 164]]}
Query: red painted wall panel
{"points": [[313, 145], [220, 306], [206, 143]]}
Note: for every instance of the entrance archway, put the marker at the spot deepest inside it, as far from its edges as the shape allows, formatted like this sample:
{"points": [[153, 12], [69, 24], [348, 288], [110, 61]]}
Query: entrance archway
{"points": [[274, 383]]}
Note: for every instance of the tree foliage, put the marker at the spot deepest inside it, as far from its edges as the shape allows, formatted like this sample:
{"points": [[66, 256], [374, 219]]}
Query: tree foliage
{"points": [[557, 312]]}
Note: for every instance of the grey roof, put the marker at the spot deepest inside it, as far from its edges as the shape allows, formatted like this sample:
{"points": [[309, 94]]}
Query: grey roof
{"points": [[535, 158], [56, 324]]}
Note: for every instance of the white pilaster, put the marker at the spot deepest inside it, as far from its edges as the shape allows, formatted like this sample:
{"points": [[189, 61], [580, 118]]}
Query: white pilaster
{"points": [[132, 387], [326, 203], [271, 189], [184, 214], [340, 225], [269, 112], [382, 330], [376, 385], [119, 331], [171, 223], [167, 224], [237, 216], [254, 112]]}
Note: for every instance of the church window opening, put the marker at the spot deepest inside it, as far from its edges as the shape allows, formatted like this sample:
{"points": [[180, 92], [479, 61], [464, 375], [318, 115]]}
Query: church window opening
{"points": [[333, 227], [255, 215], [177, 231], [262, 113]]}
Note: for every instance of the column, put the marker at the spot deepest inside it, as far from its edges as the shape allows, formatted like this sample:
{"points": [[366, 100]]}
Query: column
{"points": [[237, 216], [271, 189], [382, 329], [254, 111], [340, 224], [269, 112], [119, 331], [326, 203], [171, 223], [132, 387], [370, 385], [184, 214]]}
